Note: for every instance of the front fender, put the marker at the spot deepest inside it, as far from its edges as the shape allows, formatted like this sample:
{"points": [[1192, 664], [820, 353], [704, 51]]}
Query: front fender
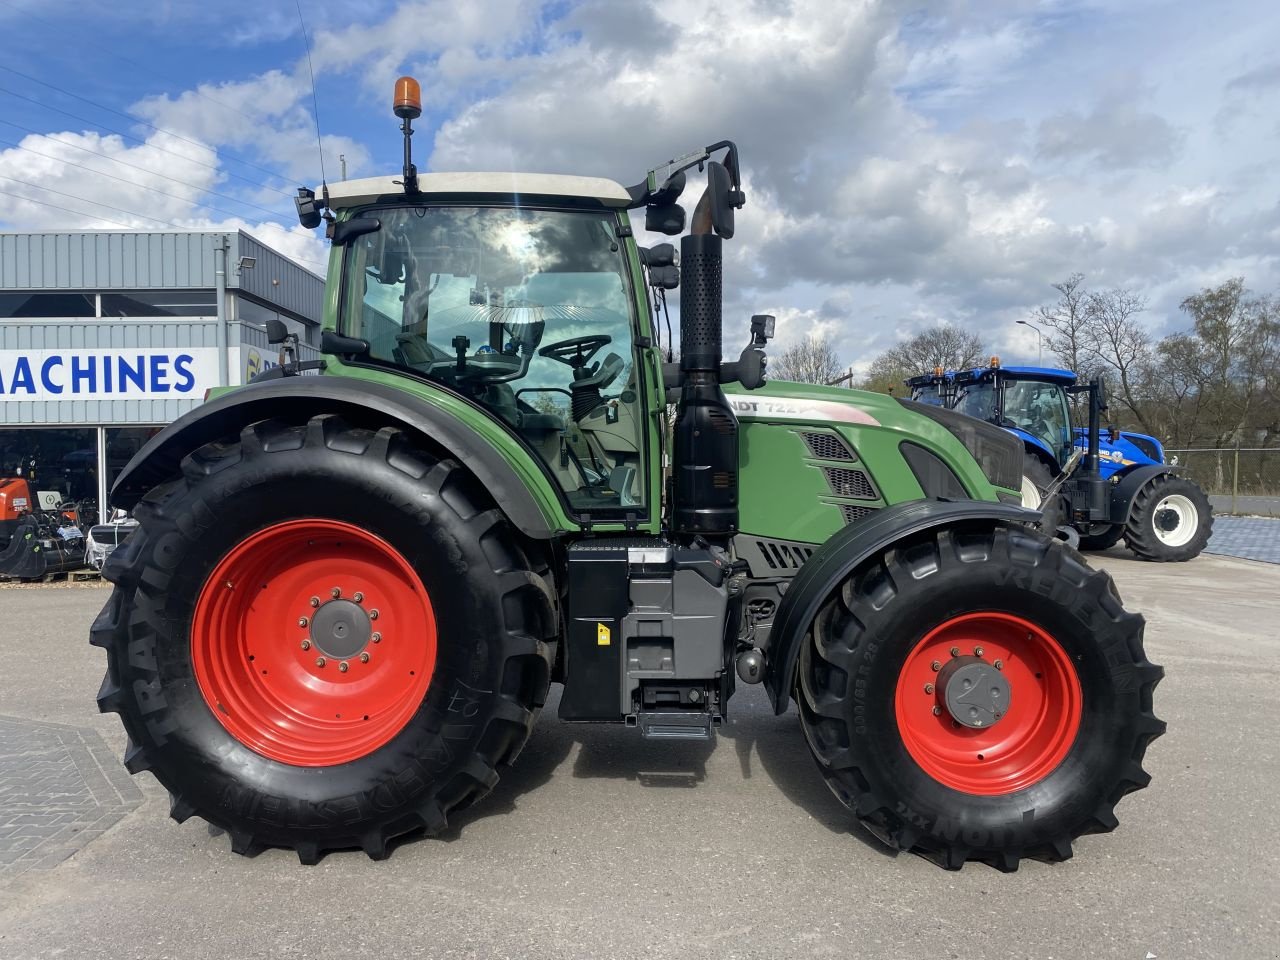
{"points": [[1130, 482], [839, 556], [362, 403]]}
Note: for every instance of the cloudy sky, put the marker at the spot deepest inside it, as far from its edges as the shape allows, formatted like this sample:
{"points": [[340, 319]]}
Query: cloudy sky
{"points": [[906, 163]]}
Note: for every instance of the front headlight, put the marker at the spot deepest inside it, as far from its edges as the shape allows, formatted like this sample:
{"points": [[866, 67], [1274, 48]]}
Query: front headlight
{"points": [[998, 452]]}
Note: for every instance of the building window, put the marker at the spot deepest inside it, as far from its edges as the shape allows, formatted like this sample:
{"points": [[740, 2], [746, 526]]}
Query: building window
{"points": [[37, 305], [161, 303], [122, 444], [60, 463]]}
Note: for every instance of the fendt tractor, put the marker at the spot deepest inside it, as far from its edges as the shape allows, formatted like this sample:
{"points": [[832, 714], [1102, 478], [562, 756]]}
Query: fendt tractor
{"points": [[1105, 484], [350, 590]]}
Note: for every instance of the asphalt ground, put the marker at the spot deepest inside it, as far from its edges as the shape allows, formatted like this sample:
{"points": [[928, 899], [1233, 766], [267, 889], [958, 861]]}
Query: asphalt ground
{"points": [[599, 844]]}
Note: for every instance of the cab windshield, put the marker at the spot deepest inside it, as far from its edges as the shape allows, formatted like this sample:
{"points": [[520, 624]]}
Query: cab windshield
{"points": [[526, 312]]}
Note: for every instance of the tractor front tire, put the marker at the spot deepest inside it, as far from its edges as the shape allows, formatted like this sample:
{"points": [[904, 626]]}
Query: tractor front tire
{"points": [[883, 679], [1104, 540], [1170, 520], [323, 637]]}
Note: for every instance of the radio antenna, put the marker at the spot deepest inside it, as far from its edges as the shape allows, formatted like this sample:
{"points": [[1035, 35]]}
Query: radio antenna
{"points": [[315, 103]]}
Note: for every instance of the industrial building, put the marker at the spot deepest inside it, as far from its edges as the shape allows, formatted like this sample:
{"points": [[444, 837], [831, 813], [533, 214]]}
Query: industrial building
{"points": [[107, 336]]}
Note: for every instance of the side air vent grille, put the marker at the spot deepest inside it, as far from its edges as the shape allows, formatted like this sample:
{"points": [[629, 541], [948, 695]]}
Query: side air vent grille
{"points": [[853, 514], [824, 446], [850, 483], [783, 556]]}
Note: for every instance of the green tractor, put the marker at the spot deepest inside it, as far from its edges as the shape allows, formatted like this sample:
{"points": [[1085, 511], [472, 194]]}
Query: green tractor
{"points": [[350, 591]]}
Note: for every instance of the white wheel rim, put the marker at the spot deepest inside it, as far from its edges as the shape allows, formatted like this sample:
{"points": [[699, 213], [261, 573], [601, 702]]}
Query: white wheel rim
{"points": [[1175, 520], [1031, 498]]}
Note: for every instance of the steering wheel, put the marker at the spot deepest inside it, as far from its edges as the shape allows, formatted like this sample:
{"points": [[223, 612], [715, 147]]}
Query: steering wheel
{"points": [[576, 351]]}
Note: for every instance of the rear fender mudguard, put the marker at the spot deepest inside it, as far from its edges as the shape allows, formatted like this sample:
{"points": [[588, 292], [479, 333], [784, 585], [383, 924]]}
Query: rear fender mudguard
{"points": [[1130, 482], [847, 550], [362, 403]]}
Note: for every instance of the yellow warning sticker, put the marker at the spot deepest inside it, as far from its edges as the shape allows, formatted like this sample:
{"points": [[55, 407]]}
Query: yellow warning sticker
{"points": [[604, 636]]}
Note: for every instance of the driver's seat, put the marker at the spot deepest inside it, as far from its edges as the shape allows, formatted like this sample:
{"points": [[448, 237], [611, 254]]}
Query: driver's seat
{"points": [[585, 389]]}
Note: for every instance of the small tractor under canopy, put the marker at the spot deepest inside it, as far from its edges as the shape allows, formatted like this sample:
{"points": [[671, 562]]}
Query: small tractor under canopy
{"points": [[350, 592]]}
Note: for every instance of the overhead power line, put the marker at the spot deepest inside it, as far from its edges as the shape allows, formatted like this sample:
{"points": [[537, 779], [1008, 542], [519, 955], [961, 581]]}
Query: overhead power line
{"points": [[110, 176], [133, 166], [129, 116], [78, 213], [146, 143], [96, 203]]}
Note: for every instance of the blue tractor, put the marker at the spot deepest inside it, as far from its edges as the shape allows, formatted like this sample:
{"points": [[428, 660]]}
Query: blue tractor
{"points": [[1105, 485]]}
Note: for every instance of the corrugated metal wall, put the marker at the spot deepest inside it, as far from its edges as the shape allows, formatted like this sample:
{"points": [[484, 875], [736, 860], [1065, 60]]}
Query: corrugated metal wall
{"points": [[275, 279], [33, 335], [129, 260]]}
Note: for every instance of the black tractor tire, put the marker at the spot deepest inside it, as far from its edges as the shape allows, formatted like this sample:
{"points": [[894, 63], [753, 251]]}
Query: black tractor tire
{"points": [[1104, 540], [1147, 532], [1040, 477], [857, 655], [493, 614]]}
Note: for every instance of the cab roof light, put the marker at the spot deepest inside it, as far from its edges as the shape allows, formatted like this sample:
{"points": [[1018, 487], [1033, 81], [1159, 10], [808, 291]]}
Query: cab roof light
{"points": [[995, 361], [408, 99]]}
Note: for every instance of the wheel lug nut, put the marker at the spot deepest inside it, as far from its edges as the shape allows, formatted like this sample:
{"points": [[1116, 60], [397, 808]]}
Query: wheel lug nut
{"points": [[319, 661], [373, 614], [955, 651], [343, 667], [376, 638], [936, 666], [364, 658], [335, 593], [358, 597], [999, 664], [303, 621], [937, 711], [977, 651], [928, 688], [315, 601], [306, 644]]}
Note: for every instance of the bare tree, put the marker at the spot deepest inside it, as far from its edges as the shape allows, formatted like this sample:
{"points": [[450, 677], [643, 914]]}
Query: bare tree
{"points": [[1119, 345], [812, 360], [940, 346], [1070, 338]]}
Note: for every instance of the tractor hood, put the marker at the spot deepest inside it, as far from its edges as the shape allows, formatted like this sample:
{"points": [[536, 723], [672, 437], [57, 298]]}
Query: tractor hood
{"points": [[781, 400]]}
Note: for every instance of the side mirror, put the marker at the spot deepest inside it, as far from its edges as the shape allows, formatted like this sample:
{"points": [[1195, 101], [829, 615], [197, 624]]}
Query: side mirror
{"points": [[659, 255], [762, 325], [724, 199], [668, 278], [277, 332], [1113, 433], [666, 218], [348, 230]]}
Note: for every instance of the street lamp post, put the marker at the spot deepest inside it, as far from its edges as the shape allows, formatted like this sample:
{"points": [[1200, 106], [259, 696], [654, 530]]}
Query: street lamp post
{"points": [[1039, 341]]}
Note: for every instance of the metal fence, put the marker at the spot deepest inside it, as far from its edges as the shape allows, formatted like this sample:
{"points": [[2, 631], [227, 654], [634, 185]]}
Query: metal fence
{"points": [[1246, 475]]}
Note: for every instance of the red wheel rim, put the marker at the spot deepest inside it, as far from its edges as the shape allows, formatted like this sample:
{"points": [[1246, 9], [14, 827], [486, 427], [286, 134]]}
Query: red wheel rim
{"points": [[297, 672], [1024, 745]]}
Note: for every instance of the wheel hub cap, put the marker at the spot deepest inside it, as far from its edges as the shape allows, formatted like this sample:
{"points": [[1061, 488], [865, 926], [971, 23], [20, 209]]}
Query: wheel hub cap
{"points": [[341, 629], [974, 692], [1167, 520]]}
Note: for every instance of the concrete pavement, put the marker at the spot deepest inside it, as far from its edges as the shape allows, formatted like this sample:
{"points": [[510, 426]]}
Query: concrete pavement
{"points": [[598, 844]]}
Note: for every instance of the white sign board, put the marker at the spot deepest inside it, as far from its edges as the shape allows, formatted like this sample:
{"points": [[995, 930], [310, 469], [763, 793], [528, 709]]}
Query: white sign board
{"points": [[143, 373]]}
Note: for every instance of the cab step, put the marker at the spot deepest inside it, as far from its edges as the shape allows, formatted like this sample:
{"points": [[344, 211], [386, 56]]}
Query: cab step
{"points": [[676, 724]]}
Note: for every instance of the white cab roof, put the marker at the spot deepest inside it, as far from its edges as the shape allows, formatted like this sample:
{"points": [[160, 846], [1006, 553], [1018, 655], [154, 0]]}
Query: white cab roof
{"points": [[350, 193]]}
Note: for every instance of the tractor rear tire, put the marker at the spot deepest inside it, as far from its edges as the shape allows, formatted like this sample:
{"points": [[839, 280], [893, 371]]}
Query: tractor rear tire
{"points": [[1105, 540], [1036, 479], [1170, 520], [1077, 709], [272, 638]]}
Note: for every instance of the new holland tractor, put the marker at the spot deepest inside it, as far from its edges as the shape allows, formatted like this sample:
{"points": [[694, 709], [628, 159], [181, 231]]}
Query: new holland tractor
{"points": [[350, 591], [1105, 484]]}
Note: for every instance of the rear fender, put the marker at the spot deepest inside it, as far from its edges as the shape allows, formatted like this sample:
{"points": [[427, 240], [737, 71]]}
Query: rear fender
{"points": [[847, 550], [362, 403], [1131, 481]]}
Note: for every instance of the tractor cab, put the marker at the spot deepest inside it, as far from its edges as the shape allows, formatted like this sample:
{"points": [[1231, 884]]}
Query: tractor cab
{"points": [[937, 389], [1029, 401]]}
